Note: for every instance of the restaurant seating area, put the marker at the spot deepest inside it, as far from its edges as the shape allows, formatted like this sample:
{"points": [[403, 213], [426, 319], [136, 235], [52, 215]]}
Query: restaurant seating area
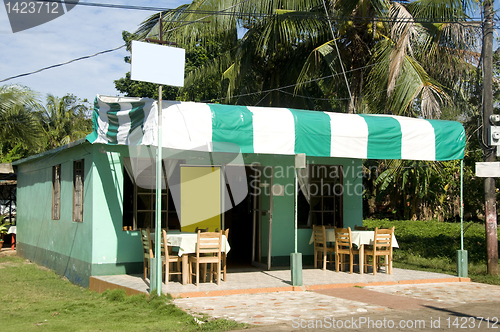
{"points": [[196, 255], [349, 248], [201, 256]]}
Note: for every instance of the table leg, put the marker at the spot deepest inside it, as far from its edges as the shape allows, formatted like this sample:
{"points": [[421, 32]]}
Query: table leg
{"points": [[361, 258], [13, 241], [185, 269]]}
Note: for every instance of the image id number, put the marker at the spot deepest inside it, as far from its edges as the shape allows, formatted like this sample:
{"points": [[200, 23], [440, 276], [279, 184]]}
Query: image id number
{"points": [[472, 322], [32, 7]]}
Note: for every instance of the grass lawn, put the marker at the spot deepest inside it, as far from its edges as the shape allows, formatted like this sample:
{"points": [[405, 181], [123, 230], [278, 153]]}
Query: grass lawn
{"points": [[432, 246], [36, 299]]}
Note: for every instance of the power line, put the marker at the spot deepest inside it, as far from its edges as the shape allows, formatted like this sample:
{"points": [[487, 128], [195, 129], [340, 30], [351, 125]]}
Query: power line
{"points": [[61, 64], [255, 14]]}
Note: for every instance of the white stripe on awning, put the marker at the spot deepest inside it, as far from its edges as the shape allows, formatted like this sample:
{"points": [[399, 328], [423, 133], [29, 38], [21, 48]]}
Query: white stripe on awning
{"points": [[186, 126], [273, 130], [349, 135], [418, 139]]}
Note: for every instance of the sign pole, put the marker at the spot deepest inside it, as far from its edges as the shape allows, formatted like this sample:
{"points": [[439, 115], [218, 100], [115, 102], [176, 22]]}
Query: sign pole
{"points": [[158, 200], [158, 271]]}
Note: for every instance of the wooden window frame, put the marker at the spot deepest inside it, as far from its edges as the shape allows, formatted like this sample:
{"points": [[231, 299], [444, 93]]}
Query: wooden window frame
{"points": [[56, 192], [78, 187]]}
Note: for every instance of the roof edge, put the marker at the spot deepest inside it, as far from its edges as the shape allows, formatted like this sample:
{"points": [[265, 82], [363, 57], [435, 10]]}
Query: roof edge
{"points": [[49, 152]]}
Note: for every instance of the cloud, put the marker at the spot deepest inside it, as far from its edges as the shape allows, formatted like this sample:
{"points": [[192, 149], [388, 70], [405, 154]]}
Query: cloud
{"points": [[80, 32]]}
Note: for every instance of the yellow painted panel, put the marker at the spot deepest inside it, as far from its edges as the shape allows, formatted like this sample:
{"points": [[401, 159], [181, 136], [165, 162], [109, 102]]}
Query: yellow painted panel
{"points": [[200, 198]]}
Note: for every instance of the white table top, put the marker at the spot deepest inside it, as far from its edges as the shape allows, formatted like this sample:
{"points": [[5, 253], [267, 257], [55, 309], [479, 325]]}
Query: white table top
{"points": [[358, 237], [12, 230], [187, 242]]}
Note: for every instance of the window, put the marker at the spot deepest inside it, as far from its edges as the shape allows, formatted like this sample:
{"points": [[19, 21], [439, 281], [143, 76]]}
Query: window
{"points": [[324, 186], [78, 190], [56, 192], [139, 201]]}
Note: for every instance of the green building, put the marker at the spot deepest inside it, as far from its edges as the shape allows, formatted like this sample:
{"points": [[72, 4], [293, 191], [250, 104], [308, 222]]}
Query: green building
{"points": [[79, 207]]}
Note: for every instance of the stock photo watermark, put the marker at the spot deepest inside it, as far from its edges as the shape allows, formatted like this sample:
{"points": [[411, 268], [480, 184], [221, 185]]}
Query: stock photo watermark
{"points": [[465, 322], [25, 15]]}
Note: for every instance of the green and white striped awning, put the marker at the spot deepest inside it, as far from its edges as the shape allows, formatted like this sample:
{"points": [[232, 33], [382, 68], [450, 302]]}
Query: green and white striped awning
{"points": [[189, 126]]}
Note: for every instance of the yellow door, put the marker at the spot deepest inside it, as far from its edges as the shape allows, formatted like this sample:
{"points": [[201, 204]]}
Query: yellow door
{"points": [[200, 198]]}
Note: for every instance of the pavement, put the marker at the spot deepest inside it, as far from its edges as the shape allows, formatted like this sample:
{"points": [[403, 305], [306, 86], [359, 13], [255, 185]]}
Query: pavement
{"points": [[422, 307]]}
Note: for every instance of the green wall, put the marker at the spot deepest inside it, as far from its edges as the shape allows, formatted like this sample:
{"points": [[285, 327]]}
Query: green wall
{"points": [[99, 246], [62, 245]]}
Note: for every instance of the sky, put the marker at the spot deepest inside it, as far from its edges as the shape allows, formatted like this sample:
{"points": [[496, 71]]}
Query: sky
{"points": [[82, 31]]}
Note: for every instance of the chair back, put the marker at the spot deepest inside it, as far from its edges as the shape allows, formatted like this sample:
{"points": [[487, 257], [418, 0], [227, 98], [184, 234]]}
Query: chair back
{"points": [[146, 243], [201, 230], [165, 249], [319, 236], [209, 243], [360, 228], [382, 240], [343, 241]]}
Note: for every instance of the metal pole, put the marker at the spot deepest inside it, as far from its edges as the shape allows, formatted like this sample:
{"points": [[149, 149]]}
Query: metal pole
{"points": [[295, 207], [158, 198], [461, 204]]}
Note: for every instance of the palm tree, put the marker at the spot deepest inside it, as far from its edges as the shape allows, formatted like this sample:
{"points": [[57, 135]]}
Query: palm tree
{"points": [[64, 120], [391, 62], [19, 127]]}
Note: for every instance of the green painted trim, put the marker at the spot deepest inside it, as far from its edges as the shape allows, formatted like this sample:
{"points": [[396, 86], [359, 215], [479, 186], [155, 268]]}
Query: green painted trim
{"points": [[444, 133], [232, 124], [384, 137], [312, 133], [77, 271]]}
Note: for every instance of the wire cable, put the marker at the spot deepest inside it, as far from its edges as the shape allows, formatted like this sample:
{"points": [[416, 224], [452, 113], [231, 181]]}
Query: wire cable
{"points": [[62, 64]]}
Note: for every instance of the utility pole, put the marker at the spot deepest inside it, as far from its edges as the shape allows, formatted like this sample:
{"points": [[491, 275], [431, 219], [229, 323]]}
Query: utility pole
{"points": [[489, 153]]}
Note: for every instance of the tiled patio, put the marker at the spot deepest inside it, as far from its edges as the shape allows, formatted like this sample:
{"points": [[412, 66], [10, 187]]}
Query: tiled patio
{"points": [[252, 280]]}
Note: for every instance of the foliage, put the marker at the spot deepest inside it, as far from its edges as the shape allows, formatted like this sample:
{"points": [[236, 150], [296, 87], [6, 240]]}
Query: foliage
{"points": [[432, 246], [392, 63], [4, 226], [20, 132], [43, 301], [64, 120]]}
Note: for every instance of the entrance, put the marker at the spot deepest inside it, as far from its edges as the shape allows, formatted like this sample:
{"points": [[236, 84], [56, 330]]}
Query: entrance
{"points": [[239, 218]]}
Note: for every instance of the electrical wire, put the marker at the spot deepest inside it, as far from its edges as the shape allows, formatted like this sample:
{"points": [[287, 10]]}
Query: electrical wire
{"points": [[62, 64]]}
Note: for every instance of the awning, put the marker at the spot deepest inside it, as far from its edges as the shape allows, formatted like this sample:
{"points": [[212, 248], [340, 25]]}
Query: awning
{"points": [[189, 126]]}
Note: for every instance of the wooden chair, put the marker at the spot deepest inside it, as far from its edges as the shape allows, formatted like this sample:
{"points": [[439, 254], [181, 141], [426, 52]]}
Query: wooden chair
{"points": [[319, 233], [147, 249], [168, 258], [201, 230], [382, 246], [360, 228], [344, 246], [208, 250]]}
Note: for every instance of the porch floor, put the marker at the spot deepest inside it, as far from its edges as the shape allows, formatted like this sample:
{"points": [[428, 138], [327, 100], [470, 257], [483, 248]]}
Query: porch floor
{"points": [[253, 280]]}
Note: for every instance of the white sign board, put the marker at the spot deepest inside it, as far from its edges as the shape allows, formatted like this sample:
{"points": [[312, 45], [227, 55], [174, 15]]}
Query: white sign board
{"points": [[157, 64], [488, 169]]}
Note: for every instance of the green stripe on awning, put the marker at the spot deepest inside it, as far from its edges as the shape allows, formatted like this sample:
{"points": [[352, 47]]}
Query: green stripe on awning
{"points": [[113, 122], [136, 115], [384, 137], [232, 124], [312, 133], [449, 138]]}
